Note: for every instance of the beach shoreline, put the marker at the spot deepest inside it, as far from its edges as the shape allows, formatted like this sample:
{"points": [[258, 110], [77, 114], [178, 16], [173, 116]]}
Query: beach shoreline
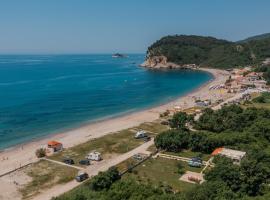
{"points": [[23, 154], [106, 118]]}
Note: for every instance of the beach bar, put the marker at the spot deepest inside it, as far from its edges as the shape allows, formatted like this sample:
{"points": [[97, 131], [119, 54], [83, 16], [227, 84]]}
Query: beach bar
{"points": [[55, 146]]}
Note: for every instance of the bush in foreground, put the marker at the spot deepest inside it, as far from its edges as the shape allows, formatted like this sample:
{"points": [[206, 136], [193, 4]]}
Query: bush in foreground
{"points": [[40, 153]]}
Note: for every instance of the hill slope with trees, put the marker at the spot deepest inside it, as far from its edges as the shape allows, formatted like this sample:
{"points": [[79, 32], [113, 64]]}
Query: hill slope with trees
{"points": [[211, 52]]}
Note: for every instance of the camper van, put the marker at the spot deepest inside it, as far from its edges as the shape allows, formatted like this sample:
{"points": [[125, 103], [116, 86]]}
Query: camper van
{"points": [[96, 156], [140, 134]]}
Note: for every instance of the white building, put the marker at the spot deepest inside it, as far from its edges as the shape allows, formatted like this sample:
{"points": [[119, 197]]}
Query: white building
{"points": [[235, 155]]}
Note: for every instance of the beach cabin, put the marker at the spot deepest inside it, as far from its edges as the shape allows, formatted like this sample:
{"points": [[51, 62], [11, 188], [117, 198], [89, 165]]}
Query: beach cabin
{"points": [[55, 146], [235, 155], [140, 134], [96, 156]]}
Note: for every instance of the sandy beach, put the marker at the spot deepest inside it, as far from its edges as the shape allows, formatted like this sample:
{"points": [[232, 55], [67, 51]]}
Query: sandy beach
{"points": [[21, 155]]}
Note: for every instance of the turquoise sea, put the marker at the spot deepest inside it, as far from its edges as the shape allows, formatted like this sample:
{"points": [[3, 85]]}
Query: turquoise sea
{"points": [[41, 95]]}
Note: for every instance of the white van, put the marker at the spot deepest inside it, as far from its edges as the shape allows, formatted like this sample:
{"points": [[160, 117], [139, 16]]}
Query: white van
{"points": [[140, 134], [96, 156]]}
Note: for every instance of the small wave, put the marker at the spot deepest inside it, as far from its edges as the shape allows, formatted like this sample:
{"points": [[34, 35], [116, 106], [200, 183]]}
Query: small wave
{"points": [[15, 83]]}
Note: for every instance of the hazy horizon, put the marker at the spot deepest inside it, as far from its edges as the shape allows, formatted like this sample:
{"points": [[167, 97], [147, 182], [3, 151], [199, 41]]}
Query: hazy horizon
{"points": [[103, 27]]}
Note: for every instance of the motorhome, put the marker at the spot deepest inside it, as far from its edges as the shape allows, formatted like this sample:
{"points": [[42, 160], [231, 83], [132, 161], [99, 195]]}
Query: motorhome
{"points": [[140, 134], [96, 156]]}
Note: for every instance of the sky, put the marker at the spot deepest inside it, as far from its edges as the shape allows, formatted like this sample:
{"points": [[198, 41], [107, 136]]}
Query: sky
{"points": [[125, 26]]}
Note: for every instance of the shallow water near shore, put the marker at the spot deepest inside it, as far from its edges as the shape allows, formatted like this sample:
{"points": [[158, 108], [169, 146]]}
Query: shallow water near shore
{"points": [[42, 95]]}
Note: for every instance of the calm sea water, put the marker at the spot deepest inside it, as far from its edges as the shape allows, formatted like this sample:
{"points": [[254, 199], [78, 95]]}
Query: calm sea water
{"points": [[41, 95]]}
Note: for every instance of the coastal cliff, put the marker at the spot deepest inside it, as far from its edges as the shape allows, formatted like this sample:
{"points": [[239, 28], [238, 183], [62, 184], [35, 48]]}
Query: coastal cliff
{"points": [[161, 62]]}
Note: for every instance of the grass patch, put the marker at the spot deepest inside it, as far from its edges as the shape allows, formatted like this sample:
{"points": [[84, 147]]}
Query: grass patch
{"points": [[259, 100], [154, 127], [123, 166], [45, 175], [193, 110], [161, 172], [109, 145]]}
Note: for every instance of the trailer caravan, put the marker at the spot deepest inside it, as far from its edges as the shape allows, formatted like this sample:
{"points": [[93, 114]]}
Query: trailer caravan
{"points": [[96, 156]]}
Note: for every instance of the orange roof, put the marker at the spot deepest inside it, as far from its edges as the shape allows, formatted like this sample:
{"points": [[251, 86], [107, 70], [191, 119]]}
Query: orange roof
{"points": [[217, 151], [54, 143]]}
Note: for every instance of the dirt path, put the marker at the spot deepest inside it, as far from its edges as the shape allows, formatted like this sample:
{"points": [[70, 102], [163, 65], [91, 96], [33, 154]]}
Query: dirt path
{"points": [[93, 170], [64, 164]]}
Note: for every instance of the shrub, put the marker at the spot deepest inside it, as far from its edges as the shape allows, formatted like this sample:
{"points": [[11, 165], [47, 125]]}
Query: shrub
{"points": [[40, 153]]}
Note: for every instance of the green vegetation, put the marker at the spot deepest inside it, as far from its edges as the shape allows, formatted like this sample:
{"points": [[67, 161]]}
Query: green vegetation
{"points": [[116, 143], [180, 119], [265, 69], [104, 180], [230, 118], [120, 190], [209, 51], [232, 126], [40, 153], [257, 37], [162, 172], [263, 98], [246, 129], [190, 154], [45, 175]]}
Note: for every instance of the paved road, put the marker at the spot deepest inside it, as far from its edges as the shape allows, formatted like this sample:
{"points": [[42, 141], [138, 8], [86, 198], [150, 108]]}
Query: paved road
{"points": [[93, 170]]}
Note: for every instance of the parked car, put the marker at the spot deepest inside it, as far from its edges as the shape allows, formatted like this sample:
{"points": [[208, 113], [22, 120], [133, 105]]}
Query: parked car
{"points": [[84, 162], [81, 176], [195, 162], [68, 161]]}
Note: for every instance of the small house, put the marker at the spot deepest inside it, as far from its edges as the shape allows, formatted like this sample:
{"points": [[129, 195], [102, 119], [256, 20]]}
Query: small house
{"points": [[140, 134], [96, 156], [55, 146]]}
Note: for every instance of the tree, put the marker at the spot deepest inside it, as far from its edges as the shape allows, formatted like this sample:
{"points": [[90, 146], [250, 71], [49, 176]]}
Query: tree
{"points": [[173, 140], [105, 179], [180, 168], [180, 119], [261, 128]]}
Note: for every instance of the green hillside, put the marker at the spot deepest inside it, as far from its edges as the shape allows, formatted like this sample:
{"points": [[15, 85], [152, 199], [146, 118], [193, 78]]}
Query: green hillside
{"points": [[209, 51], [257, 37]]}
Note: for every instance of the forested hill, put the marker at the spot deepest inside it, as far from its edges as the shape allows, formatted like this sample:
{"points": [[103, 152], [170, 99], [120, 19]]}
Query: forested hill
{"points": [[257, 37], [211, 52]]}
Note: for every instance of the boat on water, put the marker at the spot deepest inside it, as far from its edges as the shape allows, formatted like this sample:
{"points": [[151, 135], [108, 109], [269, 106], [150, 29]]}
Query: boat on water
{"points": [[119, 55]]}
